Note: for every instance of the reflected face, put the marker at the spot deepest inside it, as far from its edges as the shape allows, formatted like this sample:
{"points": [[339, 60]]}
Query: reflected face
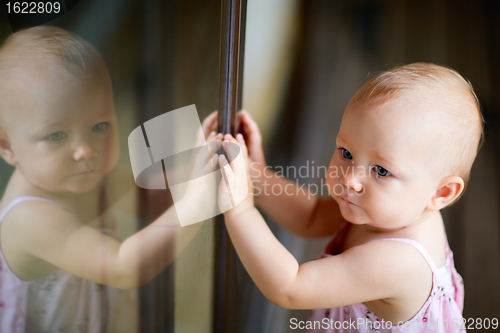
{"points": [[384, 171], [65, 138]]}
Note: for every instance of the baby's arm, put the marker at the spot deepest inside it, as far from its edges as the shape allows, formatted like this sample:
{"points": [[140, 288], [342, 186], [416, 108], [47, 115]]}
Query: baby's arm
{"points": [[57, 237], [296, 210], [372, 271]]}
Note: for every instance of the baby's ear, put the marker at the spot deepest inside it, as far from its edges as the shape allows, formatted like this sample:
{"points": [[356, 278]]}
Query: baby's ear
{"points": [[448, 190], [6, 149]]}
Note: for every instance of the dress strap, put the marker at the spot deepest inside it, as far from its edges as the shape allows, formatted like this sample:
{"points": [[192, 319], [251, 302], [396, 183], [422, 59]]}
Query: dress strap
{"points": [[417, 246], [23, 198]]}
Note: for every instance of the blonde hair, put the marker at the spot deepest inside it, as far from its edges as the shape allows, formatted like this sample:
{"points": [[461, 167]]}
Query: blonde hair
{"points": [[46, 45], [44, 48], [455, 95]]}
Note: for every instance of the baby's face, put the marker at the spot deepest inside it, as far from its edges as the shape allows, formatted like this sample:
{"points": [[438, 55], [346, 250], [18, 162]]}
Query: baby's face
{"points": [[65, 135], [386, 166]]}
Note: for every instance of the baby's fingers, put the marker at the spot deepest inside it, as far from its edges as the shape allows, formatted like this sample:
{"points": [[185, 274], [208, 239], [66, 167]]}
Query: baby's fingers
{"points": [[210, 122], [235, 183], [233, 147], [227, 172], [211, 165], [241, 141], [213, 145], [209, 125], [214, 142], [250, 129], [229, 179]]}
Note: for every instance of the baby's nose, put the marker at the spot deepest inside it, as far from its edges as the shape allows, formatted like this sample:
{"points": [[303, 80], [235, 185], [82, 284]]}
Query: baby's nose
{"points": [[349, 179], [84, 151]]}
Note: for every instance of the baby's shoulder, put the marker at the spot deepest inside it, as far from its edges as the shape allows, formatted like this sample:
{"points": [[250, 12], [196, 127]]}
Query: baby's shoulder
{"points": [[29, 219], [389, 258], [427, 246], [388, 249], [394, 265], [399, 270], [32, 227]]}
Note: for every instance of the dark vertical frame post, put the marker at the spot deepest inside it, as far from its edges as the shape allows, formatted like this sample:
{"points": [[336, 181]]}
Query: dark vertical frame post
{"points": [[233, 18], [231, 62]]}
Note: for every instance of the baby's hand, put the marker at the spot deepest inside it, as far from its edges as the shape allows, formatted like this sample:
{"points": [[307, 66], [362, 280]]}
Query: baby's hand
{"points": [[208, 126], [252, 136], [199, 200], [235, 193]]}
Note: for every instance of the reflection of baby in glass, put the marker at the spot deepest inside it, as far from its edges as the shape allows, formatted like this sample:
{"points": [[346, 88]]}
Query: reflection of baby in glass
{"points": [[58, 129], [404, 151]]}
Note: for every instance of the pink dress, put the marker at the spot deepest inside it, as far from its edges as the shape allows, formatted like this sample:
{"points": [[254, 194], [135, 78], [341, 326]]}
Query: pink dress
{"points": [[442, 312], [58, 302]]}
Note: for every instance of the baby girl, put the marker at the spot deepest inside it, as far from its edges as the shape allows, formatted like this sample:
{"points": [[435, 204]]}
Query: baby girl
{"points": [[59, 246], [406, 144]]}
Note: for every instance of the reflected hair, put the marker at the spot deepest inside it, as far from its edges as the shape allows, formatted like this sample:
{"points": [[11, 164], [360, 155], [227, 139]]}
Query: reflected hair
{"points": [[48, 46]]}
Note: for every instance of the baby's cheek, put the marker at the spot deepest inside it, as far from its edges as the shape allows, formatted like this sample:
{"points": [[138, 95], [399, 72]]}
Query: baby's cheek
{"points": [[49, 176], [330, 183], [111, 154], [376, 206], [116, 157], [333, 173]]}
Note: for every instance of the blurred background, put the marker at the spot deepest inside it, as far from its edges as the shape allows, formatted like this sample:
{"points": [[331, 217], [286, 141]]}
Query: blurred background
{"points": [[303, 62]]}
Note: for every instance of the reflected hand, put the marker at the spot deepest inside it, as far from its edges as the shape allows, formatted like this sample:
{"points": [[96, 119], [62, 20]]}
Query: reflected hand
{"points": [[199, 199]]}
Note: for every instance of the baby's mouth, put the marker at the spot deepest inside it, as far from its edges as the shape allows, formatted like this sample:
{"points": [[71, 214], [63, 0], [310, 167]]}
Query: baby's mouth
{"points": [[88, 171], [346, 200]]}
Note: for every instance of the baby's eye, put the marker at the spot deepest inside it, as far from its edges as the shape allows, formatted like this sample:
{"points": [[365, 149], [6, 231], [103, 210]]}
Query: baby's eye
{"points": [[99, 127], [57, 136], [346, 154], [382, 172]]}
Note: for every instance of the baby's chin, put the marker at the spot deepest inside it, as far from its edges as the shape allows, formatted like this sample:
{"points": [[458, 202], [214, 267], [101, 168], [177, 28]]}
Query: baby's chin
{"points": [[349, 213], [85, 183], [356, 215], [83, 189]]}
